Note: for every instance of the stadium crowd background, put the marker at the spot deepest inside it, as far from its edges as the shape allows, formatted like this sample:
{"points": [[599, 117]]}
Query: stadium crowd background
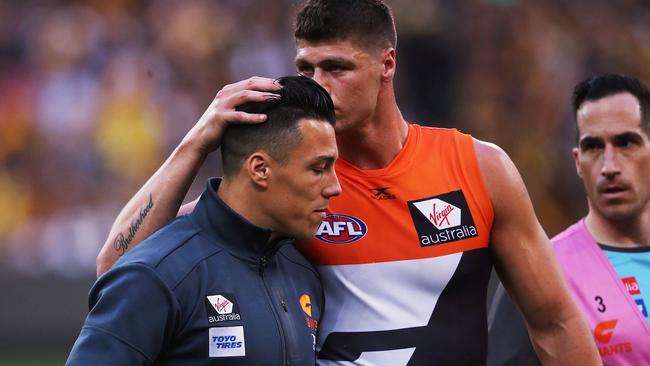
{"points": [[95, 94]]}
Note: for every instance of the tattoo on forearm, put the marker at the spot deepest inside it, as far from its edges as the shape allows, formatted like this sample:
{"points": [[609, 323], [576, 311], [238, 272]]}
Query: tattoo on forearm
{"points": [[121, 243]]}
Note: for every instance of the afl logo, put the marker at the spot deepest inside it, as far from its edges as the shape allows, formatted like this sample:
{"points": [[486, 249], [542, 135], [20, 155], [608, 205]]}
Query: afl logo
{"points": [[341, 229]]}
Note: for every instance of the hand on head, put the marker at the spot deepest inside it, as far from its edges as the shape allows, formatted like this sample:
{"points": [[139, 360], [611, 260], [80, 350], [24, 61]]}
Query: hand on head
{"points": [[206, 134]]}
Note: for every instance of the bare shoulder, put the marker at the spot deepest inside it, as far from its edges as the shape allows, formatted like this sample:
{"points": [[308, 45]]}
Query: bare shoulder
{"points": [[497, 169], [486, 148], [490, 155]]}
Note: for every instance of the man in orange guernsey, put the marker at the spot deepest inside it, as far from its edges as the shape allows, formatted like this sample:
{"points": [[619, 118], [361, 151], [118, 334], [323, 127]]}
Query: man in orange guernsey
{"points": [[405, 252]]}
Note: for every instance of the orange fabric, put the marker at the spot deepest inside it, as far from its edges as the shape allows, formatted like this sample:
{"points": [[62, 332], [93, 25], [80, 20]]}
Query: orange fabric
{"points": [[434, 161]]}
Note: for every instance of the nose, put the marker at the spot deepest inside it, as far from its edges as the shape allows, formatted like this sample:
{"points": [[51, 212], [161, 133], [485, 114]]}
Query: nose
{"points": [[333, 187], [321, 78], [610, 166]]}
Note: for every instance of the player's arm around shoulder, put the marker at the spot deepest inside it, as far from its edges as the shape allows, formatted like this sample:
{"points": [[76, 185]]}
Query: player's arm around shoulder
{"points": [[527, 266], [159, 199]]}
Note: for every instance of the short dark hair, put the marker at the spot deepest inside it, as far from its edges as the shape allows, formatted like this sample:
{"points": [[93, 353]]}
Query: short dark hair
{"points": [[368, 22], [300, 98], [602, 86]]}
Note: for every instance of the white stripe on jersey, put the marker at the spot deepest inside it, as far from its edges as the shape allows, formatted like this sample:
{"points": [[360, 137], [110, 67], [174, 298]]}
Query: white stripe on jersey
{"points": [[392, 358], [383, 296]]}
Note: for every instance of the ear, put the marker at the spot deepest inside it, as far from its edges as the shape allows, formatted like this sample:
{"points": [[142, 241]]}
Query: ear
{"points": [[258, 168], [389, 65], [575, 154]]}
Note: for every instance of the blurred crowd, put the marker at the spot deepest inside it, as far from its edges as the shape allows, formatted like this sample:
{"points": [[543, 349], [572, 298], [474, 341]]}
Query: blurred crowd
{"points": [[95, 94]]}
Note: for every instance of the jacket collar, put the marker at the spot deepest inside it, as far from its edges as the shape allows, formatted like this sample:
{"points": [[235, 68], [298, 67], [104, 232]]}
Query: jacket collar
{"points": [[238, 235]]}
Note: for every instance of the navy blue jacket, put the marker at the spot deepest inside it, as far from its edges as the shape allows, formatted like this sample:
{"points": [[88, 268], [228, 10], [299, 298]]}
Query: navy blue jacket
{"points": [[207, 289]]}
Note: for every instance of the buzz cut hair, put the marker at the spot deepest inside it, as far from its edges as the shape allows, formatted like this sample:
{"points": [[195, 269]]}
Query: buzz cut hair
{"points": [[368, 23], [602, 86], [300, 98]]}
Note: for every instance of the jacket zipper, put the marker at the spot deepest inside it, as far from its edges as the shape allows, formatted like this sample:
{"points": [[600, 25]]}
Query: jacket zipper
{"points": [[293, 355], [269, 297]]}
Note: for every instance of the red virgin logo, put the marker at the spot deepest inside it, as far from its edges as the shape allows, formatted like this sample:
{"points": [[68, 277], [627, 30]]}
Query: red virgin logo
{"points": [[438, 217]]}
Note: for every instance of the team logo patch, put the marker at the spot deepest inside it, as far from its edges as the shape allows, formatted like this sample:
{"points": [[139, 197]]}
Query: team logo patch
{"points": [[442, 219], [222, 307], [603, 332], [341, 229], [631, 285], [305, 304], [642, 308], [227, 342]]}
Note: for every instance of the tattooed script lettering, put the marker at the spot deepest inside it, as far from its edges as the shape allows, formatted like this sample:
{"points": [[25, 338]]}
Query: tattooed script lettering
{"points": [[121, 243]]}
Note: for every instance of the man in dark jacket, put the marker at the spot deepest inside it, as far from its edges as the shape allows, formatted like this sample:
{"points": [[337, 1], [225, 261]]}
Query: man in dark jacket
{"points": [[223, 284]]}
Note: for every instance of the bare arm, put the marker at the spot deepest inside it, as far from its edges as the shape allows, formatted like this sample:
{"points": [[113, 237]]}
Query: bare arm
{"points": [[159, 199], [528, 269]]}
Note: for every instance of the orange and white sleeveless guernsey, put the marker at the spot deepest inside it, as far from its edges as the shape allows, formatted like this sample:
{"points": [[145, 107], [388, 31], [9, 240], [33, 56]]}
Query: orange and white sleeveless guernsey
{"points": [[403, 255]]}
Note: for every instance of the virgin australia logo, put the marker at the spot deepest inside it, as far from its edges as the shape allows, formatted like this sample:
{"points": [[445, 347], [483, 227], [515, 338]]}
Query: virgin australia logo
{"points": [[442, 219]]}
